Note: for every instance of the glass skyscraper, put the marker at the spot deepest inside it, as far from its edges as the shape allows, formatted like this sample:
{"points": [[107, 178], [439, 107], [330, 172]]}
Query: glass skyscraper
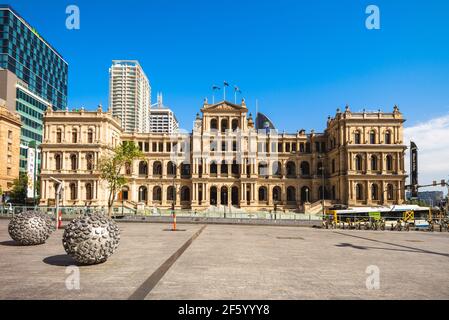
{"points": [[33, 76]]}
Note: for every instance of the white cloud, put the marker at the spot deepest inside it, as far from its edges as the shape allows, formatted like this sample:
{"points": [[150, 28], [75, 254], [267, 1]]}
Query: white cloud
{"points": [[432, 139]]}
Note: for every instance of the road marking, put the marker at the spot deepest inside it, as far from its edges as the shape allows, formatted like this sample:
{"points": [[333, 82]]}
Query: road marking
{"points": [[149, 284]]}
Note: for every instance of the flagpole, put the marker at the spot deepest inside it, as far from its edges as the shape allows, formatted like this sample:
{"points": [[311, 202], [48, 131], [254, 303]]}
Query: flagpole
{"points": [[224, 92]]}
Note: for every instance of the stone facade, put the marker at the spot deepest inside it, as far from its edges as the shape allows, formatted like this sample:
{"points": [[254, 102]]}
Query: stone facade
{"points": [[9, 146], [226, 161]]}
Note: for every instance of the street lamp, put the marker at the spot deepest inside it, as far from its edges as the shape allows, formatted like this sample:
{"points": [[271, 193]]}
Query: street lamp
{"points": [[58, 192]]}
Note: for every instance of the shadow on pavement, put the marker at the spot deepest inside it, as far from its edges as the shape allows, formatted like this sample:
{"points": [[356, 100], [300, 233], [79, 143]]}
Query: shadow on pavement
{"points": [[61, 260], [10, 243]]}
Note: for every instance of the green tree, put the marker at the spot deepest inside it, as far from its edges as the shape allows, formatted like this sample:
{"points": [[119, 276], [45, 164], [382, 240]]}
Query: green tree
{"points": [[18, 193], [110, 168]]}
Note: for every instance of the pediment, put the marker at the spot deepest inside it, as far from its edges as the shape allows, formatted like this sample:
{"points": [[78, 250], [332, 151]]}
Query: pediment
{"points": [[224, 106]]}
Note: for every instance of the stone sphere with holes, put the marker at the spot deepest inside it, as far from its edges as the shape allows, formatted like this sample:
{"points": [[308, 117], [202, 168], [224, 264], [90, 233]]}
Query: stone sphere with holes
{"points": [[91, 239], [31, 228]]}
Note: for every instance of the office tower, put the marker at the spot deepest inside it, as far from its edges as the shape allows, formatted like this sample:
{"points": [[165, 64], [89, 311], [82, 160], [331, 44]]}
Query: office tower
{"points": [[162, 119], [33, 77], [130, 95]]}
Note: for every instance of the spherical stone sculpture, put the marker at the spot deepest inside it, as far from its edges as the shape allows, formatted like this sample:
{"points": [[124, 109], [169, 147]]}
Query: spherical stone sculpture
{"points": [[31, 228], [91, 239]]}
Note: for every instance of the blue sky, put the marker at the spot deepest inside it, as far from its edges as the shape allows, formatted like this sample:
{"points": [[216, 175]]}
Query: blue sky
{"points": [[300, 59]]}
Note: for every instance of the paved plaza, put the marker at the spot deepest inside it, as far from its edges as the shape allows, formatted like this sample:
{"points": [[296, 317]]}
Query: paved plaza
{"points": [[234, 262]]}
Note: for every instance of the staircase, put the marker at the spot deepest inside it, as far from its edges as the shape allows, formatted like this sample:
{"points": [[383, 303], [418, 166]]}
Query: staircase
{"points": [[316, 207]]}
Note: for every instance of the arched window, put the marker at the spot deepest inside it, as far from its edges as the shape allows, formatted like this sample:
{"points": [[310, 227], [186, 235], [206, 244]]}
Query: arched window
{"points": [[124, 194], [58, 136], [74, 135], [185, 170], [263, 169], [224, 125], [235, 124], [213, 196], [291, 194], [185, 193], [359, 192], [388, 137], [357, 138], [213, 168], [263, 194], [143, 168], [390, 192], [171, 169], [73, 191], [374, 192], [157, 168], [291, 169], [89, 162], [389, 163], [58, 161], [276, 169], [319, 169], [157, 194], [235, 168], [214, 124], [224, 168], [171, 194], [374, 163], [372, 137], [89, 194], [73, 162], [334, 193], [277, 194], [90, 136], [143, 194], [305, 168], [305, 194], [358, 163]]}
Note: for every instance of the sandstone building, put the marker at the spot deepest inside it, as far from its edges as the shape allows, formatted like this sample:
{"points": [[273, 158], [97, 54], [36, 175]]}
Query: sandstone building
{"points": [[225, 161]]}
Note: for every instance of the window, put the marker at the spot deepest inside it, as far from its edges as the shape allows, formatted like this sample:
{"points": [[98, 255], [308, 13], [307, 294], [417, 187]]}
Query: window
{"points": [[89, 191], [389, 163], [359, 192], [9, 134], [143, 168], [73, 162], [374, 163], [291, 194], [73, 191], [185, 193], [89, 162], [90, 136], [171, 169], [235, 124], [157, 194], [374, 192], [390, 192], [59, 136], [263, 194], [372, 137], [333, 165], [358, 163], [388, 137], [213, 168], [320, 169], [157, 168], [305, 168], [277, 172], [224, 167], [58, 162], [357, 139], [291, 169], [224, 125], [74, 136], [214, 124], [263, 169]]}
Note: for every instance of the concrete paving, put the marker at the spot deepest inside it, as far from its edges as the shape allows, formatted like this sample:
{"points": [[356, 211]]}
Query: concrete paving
{"points": [[235, 262]]}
